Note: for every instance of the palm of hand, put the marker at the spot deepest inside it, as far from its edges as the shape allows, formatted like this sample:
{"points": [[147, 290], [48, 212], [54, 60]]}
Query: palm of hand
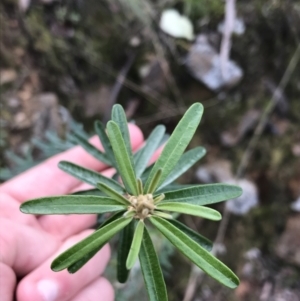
{"points": [[28, 244]]}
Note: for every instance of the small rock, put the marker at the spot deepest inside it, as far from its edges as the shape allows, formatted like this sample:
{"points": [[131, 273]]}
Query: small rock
{"points": [[248, 200], [288, 246], [239, 27], [21, 121], [203, 62], [24, 4], [296, 150], [217, 170], [7, 76], [286, 295], [296, 205]]}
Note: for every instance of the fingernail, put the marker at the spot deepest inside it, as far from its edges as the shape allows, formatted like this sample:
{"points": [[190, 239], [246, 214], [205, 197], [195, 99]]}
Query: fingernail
{"points": [[48, 289]]}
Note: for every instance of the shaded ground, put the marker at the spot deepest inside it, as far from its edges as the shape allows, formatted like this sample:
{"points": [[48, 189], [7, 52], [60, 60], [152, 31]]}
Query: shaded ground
{"points": [[70, 59]]}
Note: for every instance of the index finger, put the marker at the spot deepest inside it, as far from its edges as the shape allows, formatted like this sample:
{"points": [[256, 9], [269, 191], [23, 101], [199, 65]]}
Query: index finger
{"points": [[47, 179]]}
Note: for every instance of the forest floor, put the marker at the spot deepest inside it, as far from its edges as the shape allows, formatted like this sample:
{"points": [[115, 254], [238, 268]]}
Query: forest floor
{"points": [[64, 64]]}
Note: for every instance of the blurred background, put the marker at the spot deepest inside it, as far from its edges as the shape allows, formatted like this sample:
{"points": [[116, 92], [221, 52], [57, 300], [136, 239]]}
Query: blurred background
{"points": [[65, 63]]}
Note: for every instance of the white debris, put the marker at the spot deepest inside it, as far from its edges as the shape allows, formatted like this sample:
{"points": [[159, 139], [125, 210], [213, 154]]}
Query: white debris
{"points": [[24, 4], [252, 254], [239, 27], [176, 25], [247, 201], [296, 205], [204, 63]]}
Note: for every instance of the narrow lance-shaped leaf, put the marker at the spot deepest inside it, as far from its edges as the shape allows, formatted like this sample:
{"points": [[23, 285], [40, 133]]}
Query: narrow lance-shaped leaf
{"points": [[125, 240], [89, 192], [154, 182], [125, 167], [151, 270], [88, 244], [72, 269], [161, 143], [135, 245], [186, 161], [198, 255], [177, 143], [148, 149], [71, 204], [191, 209], [89, 176], [198, 238], [100, 131], [81, 262], [174, 186], [119, 117], [204, 194], [140, 186], [91, 149], [112, 193]]}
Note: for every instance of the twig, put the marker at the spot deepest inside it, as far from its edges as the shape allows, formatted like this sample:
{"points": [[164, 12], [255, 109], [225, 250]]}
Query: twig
{"points": [[164, 64], [118, 85], [173, 113], [257, 133], [230, 14], [271, 105], [190, 291], [151, 95]]}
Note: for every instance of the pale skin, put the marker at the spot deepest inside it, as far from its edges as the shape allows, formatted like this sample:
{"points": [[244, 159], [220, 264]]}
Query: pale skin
{"points": [[29, 243]]}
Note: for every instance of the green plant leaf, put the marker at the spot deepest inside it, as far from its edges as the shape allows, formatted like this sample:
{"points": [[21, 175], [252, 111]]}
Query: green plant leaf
{"points": [[151, 270], [71, 204], [198, 255], [81, 262], [191, 209], [112, 218], [89, 176], [203, 194], [177, 143], [89, 192], [186, 161], [91, 149], [72, 269], [124, 164], [174, 186], [89, 244], [135, 245], [140, 186], [125, 240], [112, 193], [154, 182], [161, 143], [198, 238], [148, 150], [100, 131], [119, 117]]}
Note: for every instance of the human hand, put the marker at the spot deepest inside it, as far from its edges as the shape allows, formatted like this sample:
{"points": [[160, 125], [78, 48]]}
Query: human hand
{"points": [[29, 243]]}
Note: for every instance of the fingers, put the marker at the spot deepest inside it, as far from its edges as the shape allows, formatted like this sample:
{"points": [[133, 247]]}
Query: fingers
{"points": [[84, 186], [23, 248], [63, 226], [10, 209], [47, 179], [99, 290], [43, 284], [7, 282]]}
